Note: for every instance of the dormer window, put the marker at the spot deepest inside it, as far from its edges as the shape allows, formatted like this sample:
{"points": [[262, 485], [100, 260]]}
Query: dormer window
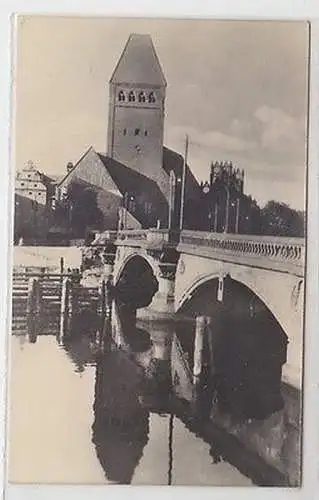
{"points": [[131, 96], [121, 96], [141, 97], [151, 97]]}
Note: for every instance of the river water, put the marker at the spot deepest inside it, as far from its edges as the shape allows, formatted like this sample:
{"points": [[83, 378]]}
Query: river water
{"points": [[56, 436]]}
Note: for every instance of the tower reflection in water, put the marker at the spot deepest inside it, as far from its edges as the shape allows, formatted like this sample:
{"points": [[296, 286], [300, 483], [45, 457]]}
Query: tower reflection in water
{"points": [[121, 423], [128, 388], [132, 382]]}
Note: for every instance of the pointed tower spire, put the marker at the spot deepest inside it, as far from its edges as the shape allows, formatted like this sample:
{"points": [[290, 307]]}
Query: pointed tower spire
{"points": [[139, 63], [137, 91]]}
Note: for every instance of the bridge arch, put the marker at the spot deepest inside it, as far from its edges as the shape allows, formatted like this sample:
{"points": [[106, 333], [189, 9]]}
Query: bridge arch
{"points": [[282, 295], [125, 261], [246, 347], [202, 280], [135, 282]]}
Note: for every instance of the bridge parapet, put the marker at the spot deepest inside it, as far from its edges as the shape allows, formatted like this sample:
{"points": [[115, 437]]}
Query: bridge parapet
{"points": [[148, 238], [277, 253]]}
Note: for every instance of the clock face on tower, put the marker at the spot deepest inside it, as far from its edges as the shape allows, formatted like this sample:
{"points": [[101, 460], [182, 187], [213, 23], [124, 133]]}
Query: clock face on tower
{"points": [[206, 190]]}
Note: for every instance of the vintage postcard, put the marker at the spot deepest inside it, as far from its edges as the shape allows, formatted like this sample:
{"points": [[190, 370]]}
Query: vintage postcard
{"points": [[158, 252]]}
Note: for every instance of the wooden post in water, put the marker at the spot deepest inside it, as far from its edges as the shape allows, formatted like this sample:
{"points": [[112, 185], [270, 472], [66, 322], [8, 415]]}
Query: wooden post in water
{"points": [[72, 304], [198, 348], [211, 337], [74, 299], [103, 299], [33, 308], [64, 318], [108, 298], [61, 265], [210, 341]]}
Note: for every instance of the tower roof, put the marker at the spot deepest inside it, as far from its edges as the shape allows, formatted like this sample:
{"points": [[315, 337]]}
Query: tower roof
{"points": [[138, 63]]}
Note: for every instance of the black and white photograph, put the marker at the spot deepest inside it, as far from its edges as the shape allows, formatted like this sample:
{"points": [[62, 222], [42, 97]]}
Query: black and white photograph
{"points": [[159, 241]]}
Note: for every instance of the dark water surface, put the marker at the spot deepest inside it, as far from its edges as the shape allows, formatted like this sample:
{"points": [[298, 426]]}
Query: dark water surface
{"points": [[79, 418]]}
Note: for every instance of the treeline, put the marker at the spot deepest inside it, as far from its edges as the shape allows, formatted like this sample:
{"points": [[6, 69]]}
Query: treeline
{"points": [[278, 219]]}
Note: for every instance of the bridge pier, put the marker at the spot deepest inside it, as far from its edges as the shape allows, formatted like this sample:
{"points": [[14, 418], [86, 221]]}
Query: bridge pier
{"points": [[163, 300], [158, 372], [108, 259]]}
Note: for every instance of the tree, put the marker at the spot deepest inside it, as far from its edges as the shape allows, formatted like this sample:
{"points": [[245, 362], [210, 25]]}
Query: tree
{"points": [[83, 210], [77, 209], [278, 219]]}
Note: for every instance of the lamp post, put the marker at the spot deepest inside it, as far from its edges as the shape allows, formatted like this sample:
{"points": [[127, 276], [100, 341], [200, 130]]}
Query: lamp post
{"points": [[237, 215], [227, 209], [215, 216], [171, 208], [125, 208], [181, 220]]}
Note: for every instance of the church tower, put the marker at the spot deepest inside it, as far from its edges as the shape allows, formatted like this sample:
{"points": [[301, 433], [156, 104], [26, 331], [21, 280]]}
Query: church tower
{"points": [[136, 111]]}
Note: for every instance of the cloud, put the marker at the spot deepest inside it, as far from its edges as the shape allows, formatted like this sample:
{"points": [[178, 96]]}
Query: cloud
{"points": [[213, 140], [280, 131], [269, 172]]}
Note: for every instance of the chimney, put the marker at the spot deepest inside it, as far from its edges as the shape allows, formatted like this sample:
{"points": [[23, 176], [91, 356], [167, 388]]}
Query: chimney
{"points": [[69, 167]]}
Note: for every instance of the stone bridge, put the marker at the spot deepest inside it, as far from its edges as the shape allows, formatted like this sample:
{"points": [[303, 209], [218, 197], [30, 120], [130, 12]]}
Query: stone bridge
{"points": [[270, 269]]}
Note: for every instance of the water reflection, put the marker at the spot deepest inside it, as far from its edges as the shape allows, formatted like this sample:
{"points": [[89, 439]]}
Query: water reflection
{"points": [[138, 434], [121, 423], [136, 430]]}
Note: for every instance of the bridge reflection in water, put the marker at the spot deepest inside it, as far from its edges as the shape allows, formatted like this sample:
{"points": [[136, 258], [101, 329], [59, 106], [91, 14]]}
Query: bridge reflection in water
{"points": [[139, 435]]}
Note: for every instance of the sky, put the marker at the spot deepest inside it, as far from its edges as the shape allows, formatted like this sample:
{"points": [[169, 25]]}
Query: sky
{"points": [[237, 88]]}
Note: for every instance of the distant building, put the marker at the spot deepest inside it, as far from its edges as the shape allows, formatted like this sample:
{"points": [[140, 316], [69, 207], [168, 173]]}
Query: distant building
{"points": [[29, 185], [225, 207], [138, 183], [33, 193]]}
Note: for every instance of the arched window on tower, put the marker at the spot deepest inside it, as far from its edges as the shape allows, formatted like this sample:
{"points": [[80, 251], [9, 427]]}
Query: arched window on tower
{"points": [[141, 97], [151, 97], [131, 96], [121, 96]]}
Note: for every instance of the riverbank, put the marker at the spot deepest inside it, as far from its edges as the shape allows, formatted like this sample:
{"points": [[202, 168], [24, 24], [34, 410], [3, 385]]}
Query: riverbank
{"points": [[47, 257]]}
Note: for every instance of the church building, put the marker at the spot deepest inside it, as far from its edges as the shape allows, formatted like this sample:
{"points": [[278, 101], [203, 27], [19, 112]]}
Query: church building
{"points": [[138, 182]]}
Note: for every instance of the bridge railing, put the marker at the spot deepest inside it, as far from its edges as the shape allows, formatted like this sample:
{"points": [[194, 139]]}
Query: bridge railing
{"points": [[148, 237], [132, 235], [278, 249]]}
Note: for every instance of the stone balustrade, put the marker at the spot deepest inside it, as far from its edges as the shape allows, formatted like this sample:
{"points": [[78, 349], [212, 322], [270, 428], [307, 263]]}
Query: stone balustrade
{"points": [[130, 235], [277, 251], [264, 246], [148, 237]]}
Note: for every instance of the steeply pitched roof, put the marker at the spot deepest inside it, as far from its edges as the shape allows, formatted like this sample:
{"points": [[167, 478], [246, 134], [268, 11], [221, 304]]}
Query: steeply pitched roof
{"points": [[139, 63], [61, 181], [125, 178], [129, 181]]}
